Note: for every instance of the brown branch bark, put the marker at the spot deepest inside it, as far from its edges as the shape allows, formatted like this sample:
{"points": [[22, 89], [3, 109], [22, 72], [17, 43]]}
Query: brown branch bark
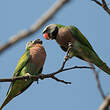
{"points": [[42, 76], [51, 75], [106, 104], [103, 5], [96, 74], [42, 20], [59, 80]]}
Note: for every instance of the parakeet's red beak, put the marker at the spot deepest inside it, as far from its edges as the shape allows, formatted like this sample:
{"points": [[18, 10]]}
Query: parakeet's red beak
{"points": [[45, 35]]}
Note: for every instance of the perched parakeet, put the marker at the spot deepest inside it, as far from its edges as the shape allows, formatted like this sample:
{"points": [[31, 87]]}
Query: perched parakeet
{"points": [[31, 63], [81, 48]]}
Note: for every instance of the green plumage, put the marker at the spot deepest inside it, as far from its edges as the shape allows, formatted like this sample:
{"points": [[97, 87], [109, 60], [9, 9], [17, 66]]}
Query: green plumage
{"points": [[80, 37], [81, 47], [25, 67]]}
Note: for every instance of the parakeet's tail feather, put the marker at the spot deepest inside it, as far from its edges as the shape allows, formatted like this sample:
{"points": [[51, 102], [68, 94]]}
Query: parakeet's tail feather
{"points": [[7, 99], [95, 59], [23, 89], [11, 95], [104, 67]]}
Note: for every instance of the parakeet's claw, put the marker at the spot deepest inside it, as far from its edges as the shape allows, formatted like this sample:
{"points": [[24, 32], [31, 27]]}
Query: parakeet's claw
{"points": [[66, 58], [30, 65], [70, 45], [70, 52], [42, 76], [27, 74], [37, 81]]}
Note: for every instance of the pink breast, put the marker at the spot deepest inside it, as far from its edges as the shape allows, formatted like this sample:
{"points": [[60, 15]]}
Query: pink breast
{"points": [[38, 55]]}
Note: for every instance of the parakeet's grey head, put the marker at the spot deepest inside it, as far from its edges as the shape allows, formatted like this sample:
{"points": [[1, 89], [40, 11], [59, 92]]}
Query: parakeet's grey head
{"points": [[31, 43], [50, 32], [37, 41]]}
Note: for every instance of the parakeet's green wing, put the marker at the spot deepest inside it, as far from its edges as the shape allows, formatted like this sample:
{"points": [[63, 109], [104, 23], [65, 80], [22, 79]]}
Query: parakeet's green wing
{"points": [[80, 37], [22, 62]]}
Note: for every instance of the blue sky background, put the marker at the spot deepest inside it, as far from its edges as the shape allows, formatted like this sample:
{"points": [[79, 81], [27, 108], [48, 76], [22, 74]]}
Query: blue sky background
{"points": [[93, 22]]}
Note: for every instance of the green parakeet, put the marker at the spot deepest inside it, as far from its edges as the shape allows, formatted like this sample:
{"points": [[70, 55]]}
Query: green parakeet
{"points": [[81, 47], [31, 63]]}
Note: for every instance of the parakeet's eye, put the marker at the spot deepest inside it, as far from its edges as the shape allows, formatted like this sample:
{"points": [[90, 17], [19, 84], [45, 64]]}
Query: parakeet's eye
{"points": [[45, 30], [55, 32]]}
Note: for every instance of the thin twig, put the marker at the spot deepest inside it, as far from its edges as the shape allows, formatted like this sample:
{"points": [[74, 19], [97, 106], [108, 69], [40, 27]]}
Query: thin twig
{"points": [[41, 76], [96, 74], [103, 5], [51, 75], [97, 78], [59, 80], [41, 21], [97, 2], [80, 50], [65, 58], [86, 58]]}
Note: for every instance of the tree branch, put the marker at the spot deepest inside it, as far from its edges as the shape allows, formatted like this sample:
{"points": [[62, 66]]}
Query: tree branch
{"points": [[86, 58], [97, 2], [103, 5], [42, 20], [106, 104], [59, 80], [42, 76], [96, 74]]}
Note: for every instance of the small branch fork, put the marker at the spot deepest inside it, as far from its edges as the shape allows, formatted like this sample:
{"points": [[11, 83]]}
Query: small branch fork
{"points": [[103, 5], [104, 106], [44, 76]]}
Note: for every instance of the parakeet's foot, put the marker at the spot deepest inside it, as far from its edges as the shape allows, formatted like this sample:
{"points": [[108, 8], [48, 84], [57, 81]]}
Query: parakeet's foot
{"points": [[69, 51], [66, 58], [27, 74], [37, 80], [70, 45], [64, 62]]}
